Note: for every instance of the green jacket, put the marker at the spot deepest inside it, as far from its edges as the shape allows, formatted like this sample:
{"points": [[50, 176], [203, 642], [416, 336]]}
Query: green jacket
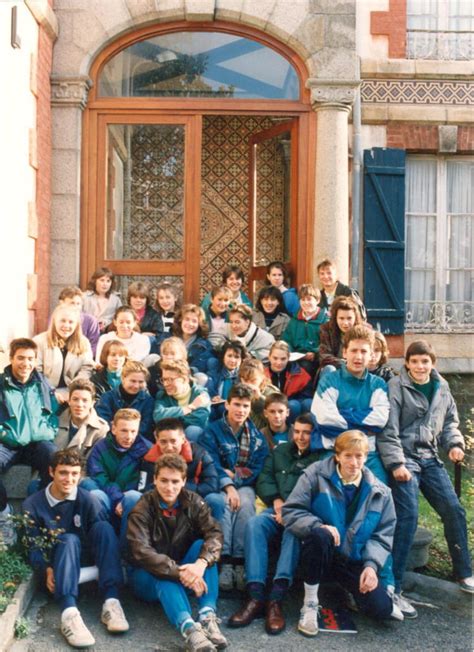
{"points": [[282, 470], [303, 336], [28, 412]]}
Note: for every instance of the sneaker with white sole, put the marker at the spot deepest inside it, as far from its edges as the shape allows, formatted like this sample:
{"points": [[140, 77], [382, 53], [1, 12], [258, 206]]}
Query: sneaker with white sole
{"points": [[196, 639], [467, 584], [407, 609], [226, 577], [74, 630], [308, 622], [239, 575], [210, 625], [396, 612], [113, 617]]}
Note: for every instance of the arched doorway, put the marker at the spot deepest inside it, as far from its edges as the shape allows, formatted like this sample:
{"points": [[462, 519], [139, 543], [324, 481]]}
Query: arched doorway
{"points": [[197, 154]]}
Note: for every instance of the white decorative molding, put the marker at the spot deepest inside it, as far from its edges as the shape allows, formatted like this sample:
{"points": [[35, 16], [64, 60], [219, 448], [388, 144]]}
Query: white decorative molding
{"points": [[71, 91], [332, 92], [44, 16]]}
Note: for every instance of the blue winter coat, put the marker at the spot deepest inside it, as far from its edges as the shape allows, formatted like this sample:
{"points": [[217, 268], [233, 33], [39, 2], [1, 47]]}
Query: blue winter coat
{"points": [[318, 499], [110, 402]]}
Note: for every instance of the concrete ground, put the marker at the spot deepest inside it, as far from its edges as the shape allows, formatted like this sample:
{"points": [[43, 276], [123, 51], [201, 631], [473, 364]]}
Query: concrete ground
{"points": [[444, 623]]}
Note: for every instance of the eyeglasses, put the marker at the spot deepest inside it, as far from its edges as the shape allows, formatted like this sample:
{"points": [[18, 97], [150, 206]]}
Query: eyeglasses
{"points": [[168, 380]]}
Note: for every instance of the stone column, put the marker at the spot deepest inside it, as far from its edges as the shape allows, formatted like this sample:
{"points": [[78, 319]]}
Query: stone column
{"points": [[332, 103], [68, 99]]}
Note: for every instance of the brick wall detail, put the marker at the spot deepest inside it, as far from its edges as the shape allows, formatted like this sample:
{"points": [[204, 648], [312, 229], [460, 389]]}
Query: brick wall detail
{"points": [[424, 138], [43, 178], [393, 24]]}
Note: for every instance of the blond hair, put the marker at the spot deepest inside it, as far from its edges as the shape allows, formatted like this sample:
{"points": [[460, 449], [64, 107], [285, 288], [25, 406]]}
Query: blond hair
{"points": [[134, 367], [174, 343], [179, 367], [126, 414], [76, 343], [351, 439], [281, 345], [252, 369]]}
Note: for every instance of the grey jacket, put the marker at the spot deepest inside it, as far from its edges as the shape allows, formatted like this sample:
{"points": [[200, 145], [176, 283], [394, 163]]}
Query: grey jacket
{"points": [[90, 432], [414, 426], [318, 499]]}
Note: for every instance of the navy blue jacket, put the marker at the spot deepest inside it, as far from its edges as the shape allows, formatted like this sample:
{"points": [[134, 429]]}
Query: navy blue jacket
{"points": [[112, 401]]}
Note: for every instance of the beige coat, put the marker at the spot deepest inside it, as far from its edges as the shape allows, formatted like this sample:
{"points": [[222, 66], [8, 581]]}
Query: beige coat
{"points": [[50, 361], [89, 433]]}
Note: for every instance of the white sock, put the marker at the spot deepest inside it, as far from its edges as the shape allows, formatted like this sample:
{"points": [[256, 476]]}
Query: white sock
{"points": [[311, 593], [189, 622], [205, 611], [69, 612], [109, 602]]}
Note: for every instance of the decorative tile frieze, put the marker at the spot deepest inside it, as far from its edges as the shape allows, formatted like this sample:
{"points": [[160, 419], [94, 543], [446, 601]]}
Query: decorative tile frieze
{"points": [[400, 91]]}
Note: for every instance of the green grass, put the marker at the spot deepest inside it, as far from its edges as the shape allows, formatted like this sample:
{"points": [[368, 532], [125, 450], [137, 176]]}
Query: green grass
{"points": [[439, 564]]}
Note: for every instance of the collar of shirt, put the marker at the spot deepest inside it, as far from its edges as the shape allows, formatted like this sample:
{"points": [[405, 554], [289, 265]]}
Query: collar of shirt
{"points": [[52, 501], [355, 482]]}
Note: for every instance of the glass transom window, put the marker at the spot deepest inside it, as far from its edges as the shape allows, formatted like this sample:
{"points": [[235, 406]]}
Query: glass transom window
{"points": [[199, 64]]}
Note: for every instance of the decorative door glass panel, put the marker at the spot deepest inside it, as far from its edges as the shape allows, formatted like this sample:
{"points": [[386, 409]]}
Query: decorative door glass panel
{"points": [[272, 178], [199, 64], [145, 192]]}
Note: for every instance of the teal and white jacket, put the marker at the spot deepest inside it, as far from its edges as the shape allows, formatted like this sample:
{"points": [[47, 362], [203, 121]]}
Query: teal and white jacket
{"points": [[344, 402], [318, 499]]}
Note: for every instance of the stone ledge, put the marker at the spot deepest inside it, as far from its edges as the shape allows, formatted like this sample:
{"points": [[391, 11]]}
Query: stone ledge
{"points": [[447, 594], [416, 69], [44, 16], [15, 610]]}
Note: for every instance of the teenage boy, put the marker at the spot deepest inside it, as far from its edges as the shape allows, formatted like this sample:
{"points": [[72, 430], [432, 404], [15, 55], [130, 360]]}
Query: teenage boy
{"points": [[80, 426], [131, 393], [276, 412], [423, 414], [332, 287], [28, 422], [351, 398], [116, 469], [302, 332], [202, 474], [87, 537], [174, 544], [238, 450], [345, 520], [280, 473]]}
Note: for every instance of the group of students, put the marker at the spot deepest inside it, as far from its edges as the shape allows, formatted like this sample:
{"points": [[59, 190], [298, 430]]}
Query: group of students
{"points": [[206, 436]]}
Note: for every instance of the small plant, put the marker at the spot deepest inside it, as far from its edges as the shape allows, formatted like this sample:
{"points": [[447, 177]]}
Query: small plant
{"points": [[13, 570], [38, 538], [22, 628]]}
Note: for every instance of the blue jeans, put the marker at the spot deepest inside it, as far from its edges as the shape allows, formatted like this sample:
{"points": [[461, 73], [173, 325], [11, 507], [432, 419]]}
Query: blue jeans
{"points": [[193, 433], [37, 454], [260, 530], [298, 406], [216, 502], [233, 523], [429, 476], [173, 595], [129, 500]]}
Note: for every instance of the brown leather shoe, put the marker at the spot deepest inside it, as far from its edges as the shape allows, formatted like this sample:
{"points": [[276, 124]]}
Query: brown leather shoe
{"points": [[274, 618], [247, 613]]}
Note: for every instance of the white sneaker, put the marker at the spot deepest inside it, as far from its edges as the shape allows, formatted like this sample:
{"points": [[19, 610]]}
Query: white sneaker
{"points": [[407, 609], [210, 625], [467, 584], [239, 574], [226, 577], [396, 612], [113, 616], [196, 639], [308, 622], [74, 630]]}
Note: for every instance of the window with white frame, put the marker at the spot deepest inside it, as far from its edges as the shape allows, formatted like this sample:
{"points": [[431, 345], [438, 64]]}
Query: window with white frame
{"points": [[440, 29], [439, 258]]}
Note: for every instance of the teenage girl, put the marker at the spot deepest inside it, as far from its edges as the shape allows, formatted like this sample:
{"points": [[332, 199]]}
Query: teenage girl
{"points": [[252, 373], [241, 328], [112, 359], [190, 325], [166, 304], [99, 299], [278, 276], [378, 364], [232, 277], [225, 376], [270, 312], [63, 352], [125, 330], [149, 320], [290, 378], [344, 315]]}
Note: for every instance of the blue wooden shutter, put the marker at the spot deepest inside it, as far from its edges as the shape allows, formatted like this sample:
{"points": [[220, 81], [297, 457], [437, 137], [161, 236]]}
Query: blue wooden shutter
{"points": [[384, 238]]}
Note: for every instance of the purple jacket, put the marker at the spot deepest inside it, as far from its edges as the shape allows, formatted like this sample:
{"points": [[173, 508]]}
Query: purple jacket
{"points": [[90, 329]]}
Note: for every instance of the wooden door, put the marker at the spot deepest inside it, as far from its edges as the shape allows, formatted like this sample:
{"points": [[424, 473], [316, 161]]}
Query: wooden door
{"points": [[147, 197], [273, 214]]}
